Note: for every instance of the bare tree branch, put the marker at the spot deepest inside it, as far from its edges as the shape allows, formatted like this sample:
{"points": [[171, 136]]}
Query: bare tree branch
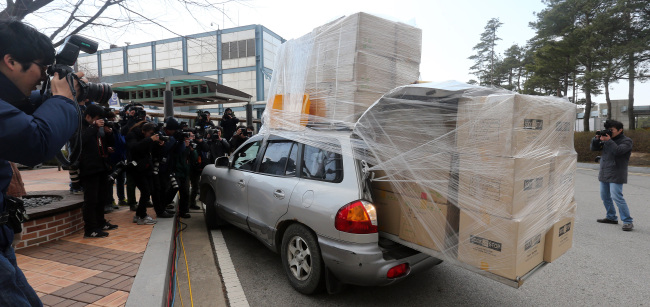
{"points": [[67, 23], [89, 21]]}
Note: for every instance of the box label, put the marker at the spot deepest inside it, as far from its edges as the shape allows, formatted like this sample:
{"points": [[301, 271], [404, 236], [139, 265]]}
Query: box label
{"points": [[493, 245], [564, 229], [533, 184], [533, 124], [532, 242]]}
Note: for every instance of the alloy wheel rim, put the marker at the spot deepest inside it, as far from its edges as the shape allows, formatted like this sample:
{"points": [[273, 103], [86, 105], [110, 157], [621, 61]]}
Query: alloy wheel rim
{"points": [[299, 257]]}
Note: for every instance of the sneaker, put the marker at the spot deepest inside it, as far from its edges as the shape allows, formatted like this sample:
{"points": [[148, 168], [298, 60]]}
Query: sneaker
{"points": [[164, 215], [185, 215], [628, 227], [109, 226], [133, 207], [95, 234], [607, 221], [171, 207], [122, 203], [147, 220], [135, 218], [195, 207], [115, 206], [76, 192]]}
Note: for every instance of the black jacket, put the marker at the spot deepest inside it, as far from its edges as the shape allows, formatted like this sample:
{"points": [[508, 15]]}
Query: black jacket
{"points": [[229, 125], [218, 148], [138, 149], [94, 151], [614, 159], [236, 141]]}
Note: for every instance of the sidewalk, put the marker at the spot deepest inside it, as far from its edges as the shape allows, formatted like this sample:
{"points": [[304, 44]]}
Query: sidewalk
{"points": [[76, 271]]}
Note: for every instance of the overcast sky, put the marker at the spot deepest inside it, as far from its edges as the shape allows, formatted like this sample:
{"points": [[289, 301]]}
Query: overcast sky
{"points": [[449, 28]]}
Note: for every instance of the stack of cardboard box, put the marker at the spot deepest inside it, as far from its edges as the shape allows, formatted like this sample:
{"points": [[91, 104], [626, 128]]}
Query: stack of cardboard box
{"points": [[516, 180], [345, 66], [516, 167]]}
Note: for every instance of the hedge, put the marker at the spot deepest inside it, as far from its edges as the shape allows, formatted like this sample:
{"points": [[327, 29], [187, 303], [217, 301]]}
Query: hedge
{"points": [[641, 139]]}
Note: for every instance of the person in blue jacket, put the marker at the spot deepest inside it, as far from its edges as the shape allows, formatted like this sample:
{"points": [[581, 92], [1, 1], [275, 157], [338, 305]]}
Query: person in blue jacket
{"points": [[32, 130]]}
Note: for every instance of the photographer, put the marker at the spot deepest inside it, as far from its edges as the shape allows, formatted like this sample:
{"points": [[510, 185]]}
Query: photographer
{"points": [[94, 170], [242, 134], [229, 123], [130, 115], [165, 184], [118, 155], [182, 163], [202, 147], [203, 120], [219, 147], [39, 127], [140, 141], [616, 150]]}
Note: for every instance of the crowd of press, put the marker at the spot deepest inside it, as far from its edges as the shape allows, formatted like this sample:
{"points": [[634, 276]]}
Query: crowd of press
{"points": [[160, 160]]}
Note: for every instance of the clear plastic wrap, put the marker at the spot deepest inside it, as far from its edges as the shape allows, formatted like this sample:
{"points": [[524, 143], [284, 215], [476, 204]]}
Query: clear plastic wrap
{"points": [[480, 177]]}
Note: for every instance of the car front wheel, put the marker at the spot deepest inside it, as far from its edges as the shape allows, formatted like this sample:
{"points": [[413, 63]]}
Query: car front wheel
{"points": [[302, 260]]}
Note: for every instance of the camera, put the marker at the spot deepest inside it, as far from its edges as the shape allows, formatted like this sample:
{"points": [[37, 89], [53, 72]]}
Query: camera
{"points": [[604, 132], [162, 136], [63, 62], [119, 168]]}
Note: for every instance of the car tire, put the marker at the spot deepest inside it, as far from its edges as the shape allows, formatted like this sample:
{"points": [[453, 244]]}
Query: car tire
{"points": [[301, 259], [212, 219]]}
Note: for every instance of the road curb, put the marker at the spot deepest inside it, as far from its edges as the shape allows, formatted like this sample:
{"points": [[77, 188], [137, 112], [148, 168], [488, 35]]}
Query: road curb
{"points": [[630, 169], [151, 284]]}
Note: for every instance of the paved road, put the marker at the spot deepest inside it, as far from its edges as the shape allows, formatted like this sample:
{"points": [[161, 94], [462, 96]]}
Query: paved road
{"points": [[606, 267]]}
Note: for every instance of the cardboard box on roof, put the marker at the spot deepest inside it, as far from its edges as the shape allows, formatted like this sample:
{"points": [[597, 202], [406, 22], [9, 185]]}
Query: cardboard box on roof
{"points": [[502, 186], [423, 223], [509, 125], [506, 247], [356, 60]]}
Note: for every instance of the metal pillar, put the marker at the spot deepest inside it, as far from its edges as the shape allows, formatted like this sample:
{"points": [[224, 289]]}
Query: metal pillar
{"points": [[249, 114], [168, 101]]}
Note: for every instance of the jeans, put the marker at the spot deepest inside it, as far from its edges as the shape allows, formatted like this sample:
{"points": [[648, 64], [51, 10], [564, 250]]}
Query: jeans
{"points": [[16, 291], [614, 191]]}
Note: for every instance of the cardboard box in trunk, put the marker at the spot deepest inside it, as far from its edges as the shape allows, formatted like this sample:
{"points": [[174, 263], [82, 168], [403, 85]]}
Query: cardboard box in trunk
{"points": [[432, 190], [506, 247], [505, 187], [423, 223], [510, 125], [389, 211]]}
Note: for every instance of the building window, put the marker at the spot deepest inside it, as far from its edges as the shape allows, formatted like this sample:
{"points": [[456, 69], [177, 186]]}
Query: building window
{"points": [[238, 49]]}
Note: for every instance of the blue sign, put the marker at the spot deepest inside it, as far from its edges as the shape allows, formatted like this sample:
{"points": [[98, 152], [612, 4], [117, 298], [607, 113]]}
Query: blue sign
{"points": [[114, 101]]}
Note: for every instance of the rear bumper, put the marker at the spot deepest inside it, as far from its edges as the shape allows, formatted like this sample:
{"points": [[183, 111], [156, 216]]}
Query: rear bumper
{"points": [[364, 264]]}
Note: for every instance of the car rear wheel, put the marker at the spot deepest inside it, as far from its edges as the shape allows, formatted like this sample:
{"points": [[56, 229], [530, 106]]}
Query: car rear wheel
{"points": [[302, 260]]}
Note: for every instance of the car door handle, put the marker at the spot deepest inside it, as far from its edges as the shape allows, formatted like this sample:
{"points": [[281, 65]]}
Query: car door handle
{"points": [[241, 183], [279, 194]]}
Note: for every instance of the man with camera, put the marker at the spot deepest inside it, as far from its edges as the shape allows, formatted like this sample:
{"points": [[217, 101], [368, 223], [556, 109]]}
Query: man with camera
{"points": [[229, 123], [203, 120], [32, 129], [616, 150], [242, 134], [94, 170]]}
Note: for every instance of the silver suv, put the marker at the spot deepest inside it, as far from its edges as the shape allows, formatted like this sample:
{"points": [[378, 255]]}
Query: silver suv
{"points": [[307, 202]]}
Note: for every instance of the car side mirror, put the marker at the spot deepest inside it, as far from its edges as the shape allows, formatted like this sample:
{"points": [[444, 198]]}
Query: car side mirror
{"points": [[222, 161]]}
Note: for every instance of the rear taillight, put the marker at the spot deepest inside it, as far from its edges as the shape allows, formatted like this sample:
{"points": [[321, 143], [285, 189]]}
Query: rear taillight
{"points": [[398, 270], [357, 217]]}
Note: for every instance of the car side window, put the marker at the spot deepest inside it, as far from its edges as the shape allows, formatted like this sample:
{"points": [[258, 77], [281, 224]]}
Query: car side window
{"points": [[245, 158], [321, 164], [276, 158]]}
